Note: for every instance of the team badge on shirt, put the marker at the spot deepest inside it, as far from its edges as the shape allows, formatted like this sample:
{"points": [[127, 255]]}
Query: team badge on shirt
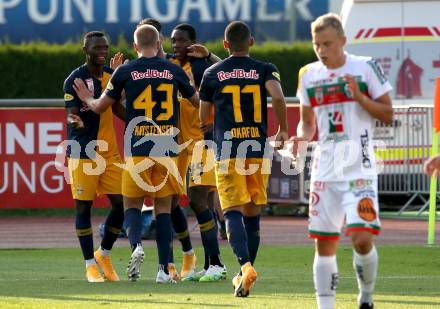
{"points": [[276, 75], [319, 95], [90, 86], [79, 190], [68, 97]]}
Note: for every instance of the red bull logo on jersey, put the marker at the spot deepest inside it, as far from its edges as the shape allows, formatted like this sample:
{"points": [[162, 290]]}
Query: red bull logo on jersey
{"points": [[238, 73], [135, 75]]}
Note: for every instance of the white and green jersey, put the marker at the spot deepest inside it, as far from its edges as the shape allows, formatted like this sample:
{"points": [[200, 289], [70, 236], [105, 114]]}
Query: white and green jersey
{"points": [[345, 151]]}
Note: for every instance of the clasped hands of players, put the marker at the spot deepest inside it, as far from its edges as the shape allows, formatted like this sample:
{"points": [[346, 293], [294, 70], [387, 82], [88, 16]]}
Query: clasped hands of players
{"points": [[75, 121]]}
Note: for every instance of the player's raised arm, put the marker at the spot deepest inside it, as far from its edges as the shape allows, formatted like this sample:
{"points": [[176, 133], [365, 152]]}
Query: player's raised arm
{"points": [[96, 105], [201, 51], [379, 108]]}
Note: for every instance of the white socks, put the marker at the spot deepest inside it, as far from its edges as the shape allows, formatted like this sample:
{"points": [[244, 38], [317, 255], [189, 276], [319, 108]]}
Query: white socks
{"points": [[189, 252], [365, 267], [90, 262], [325, 277], [104, 252]]}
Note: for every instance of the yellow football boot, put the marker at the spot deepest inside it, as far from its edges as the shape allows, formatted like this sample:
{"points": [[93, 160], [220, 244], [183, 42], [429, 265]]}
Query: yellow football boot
{"points": [[188, 265], [244, 284], [105, 263], [92, 274]]}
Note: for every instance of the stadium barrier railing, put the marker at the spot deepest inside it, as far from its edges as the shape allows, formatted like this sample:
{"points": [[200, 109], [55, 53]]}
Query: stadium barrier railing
{"points": [[406, 144], [418, 138]]}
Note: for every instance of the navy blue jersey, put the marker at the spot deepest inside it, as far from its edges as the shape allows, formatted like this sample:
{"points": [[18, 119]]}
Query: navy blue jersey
{"points": [[151, 86], [96, 126], [198, 67], [236, 87], [189, 116]]}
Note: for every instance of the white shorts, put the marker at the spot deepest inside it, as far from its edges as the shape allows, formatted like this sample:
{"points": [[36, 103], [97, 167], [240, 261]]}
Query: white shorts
{"points": [[331, 202]]}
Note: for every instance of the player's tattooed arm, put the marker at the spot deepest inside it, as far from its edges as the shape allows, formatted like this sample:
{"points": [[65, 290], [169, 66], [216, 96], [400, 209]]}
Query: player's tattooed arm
{"points": [[73, 118], [97, 105], [200, 51]]}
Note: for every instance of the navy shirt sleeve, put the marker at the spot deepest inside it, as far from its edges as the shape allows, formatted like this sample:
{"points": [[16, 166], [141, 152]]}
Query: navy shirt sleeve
{"points": [[70, 97], [199, 66], [116, 84], [207, 87], [271, 73]]}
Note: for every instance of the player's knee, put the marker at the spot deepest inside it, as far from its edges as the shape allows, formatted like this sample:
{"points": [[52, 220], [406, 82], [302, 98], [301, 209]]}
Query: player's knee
{"points": [[83, 207], [197, 206], [198, 199], [251, 210], [116, 201], [362, 242], [326, 247]]}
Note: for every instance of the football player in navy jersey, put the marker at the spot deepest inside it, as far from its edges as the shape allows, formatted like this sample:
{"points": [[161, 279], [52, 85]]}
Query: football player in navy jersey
{"points": [[198, 159], [194, 59], [236, 89], [86, 128], [151, 85]]}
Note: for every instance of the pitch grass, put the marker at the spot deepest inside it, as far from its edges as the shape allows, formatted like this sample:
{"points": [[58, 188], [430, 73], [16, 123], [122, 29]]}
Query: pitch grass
{"points": [[409, 277]]}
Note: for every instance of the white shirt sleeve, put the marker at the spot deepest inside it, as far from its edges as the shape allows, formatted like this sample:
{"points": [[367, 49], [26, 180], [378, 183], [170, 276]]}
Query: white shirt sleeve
{"points": [[301, 92], [377, 82]]}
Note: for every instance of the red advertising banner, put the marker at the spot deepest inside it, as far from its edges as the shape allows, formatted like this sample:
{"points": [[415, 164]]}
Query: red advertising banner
{"points": [[29, 138]]}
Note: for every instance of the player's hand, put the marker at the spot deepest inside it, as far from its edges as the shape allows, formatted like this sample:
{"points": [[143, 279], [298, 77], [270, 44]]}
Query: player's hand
{"points": [[75, 121], [280, 139], [353, 88], [198, 51], [117, 60], [297, 145], [432, 166], [82, 91]]}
